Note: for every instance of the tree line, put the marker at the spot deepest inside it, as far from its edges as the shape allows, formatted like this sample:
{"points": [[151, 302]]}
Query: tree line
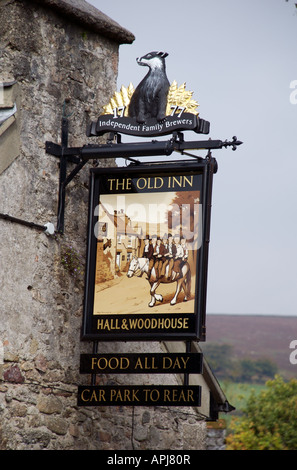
{"points": [[226, 366]]}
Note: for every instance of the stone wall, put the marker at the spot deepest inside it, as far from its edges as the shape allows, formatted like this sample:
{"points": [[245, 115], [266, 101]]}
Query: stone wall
{"points": [[36, 419], [216, 435], [60, 67]]}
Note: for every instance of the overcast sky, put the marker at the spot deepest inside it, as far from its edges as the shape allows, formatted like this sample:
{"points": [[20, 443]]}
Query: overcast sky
{"points": [[239, 59]]}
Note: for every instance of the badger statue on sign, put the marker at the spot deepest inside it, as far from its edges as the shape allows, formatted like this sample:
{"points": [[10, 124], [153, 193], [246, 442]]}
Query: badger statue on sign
{"points": [[149, 99]]}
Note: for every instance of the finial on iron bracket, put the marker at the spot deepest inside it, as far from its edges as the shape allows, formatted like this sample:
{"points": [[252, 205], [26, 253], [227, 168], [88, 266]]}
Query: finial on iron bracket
{"points": [[234, 143]]}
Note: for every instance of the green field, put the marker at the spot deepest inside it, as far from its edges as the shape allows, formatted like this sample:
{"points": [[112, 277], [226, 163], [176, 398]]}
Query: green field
{"points": [[237, 395]]}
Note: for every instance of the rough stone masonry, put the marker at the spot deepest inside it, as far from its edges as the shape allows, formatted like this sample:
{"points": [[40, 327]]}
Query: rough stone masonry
{"points": [[63, 56]]}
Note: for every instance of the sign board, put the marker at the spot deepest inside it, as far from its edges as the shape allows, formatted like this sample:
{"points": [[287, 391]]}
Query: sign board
{"points": [[146, 265], [135, 395], [185, 363]]}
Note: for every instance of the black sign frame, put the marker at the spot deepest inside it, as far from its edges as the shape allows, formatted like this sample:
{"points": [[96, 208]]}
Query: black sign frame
{"points": [[139, 395], [148, 326], [142, 363]]}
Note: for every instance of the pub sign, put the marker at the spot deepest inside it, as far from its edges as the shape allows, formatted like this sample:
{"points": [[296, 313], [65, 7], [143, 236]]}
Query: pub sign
{"points": [[146, 267]]}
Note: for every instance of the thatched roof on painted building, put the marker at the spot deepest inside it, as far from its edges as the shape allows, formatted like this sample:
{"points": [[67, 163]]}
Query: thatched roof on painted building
{"points": [[85, 14]]}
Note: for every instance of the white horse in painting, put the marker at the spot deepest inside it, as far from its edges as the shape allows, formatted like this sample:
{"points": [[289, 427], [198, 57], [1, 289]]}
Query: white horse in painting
{"points": [[139, 266]]}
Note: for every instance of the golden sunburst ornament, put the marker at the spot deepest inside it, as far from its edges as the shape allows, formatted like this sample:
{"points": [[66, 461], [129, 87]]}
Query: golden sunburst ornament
{"points": [[179, 100], [120, 101]]}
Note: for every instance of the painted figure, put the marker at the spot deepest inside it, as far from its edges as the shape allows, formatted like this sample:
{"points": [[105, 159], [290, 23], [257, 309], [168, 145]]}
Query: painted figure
{"points": [[183, 280], [169, 257]]}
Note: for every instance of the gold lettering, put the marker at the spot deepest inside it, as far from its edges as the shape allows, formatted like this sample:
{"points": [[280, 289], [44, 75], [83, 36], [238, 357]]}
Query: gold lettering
{"points": [[122, 184], [118, 395], [185, 361], [102, 395], [104, 361], [165, 359], [181, 181], [161, 182], [124, 395], [182, 396], [93, 396], [166, 395], [176, 364], [99, 324], [83, 394], [178, 182], [143, 183], [127, 395], [146, 391], [153, 363], [156, 182], [167, 323], [106, 325], [125, 183], [190, 182], [128, 185], [111, 180], [134, 395], [149, 184], [122, 363], [156, 394], [115, 326], [116, 363], [138, 364], [190, 395], [146, 366], [112, 363]]}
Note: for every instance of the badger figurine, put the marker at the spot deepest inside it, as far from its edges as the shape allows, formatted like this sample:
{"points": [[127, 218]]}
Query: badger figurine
{"points": [[149, 99]]}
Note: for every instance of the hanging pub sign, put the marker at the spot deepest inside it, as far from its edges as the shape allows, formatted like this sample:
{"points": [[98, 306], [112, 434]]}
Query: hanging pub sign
{"points": [[148, 236], [148, 224], [147, 252]]}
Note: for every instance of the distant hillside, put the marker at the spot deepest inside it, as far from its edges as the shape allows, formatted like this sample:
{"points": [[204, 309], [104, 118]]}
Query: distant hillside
{"points": [[255, 336]]}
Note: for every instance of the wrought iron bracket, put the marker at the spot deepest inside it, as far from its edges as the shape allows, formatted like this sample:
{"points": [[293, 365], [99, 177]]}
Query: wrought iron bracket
{"points": [[47, 228], [66, 156], [128, 151]]}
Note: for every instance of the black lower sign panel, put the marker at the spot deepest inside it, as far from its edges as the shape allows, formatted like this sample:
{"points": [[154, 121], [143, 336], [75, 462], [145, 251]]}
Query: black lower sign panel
{"points": [[134, 395], [186, 363]]}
